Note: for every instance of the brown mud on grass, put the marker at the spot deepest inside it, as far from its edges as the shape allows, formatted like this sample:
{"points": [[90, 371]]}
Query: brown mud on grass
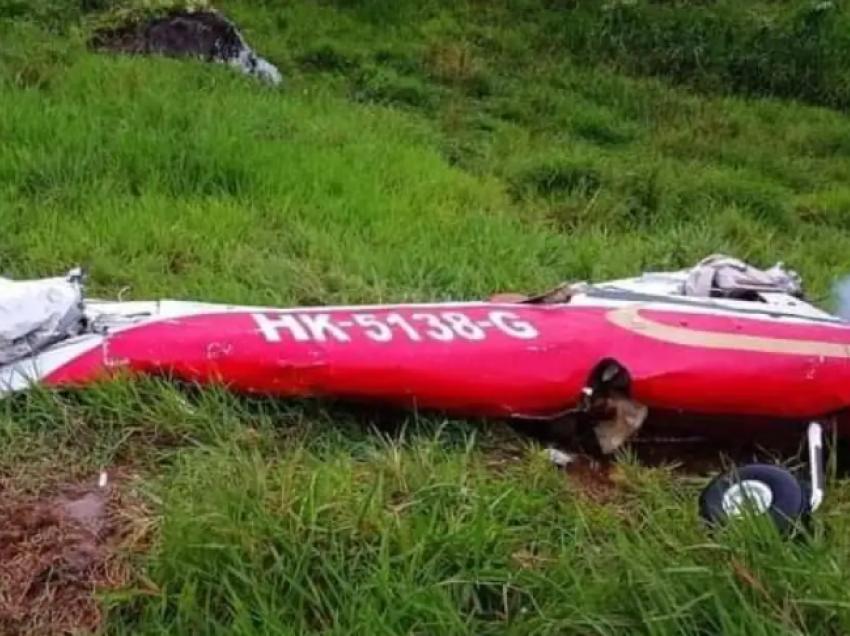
{"points": [[59, 549], [596, 481]]}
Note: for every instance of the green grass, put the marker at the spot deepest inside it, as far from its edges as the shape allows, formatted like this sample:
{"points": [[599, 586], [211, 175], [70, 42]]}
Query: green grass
{"points": [[421, 151]]}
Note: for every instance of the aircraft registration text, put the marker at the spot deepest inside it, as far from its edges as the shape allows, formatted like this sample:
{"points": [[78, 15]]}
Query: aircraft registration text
{"points": [[443, 326]]}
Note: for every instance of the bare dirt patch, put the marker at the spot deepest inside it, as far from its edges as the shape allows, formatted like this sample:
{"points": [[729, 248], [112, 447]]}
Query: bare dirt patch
{"points": [[59, 549], [598, 482]]}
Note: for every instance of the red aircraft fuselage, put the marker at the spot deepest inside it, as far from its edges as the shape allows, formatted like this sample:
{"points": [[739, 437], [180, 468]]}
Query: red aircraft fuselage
{"points": [[494, 359]]}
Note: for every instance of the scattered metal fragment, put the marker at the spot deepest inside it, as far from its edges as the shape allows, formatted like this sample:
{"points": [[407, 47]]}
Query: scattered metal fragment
{"points": [[206, 34]]}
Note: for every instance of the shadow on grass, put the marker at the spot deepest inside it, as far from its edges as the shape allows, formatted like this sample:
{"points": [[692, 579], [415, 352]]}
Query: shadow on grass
{"points": [[146, 422]]}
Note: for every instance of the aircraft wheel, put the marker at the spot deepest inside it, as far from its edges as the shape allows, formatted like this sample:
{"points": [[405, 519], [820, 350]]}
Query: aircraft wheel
{"points": [[760, 489]]}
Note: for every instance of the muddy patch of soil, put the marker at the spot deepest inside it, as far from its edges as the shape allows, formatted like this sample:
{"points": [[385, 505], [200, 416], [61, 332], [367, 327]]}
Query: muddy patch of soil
{"points": [[58, 549], [205, 35], [596, 481]]}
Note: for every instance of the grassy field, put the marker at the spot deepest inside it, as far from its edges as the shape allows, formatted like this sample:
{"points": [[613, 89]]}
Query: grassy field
{"points": [[418, 150]]}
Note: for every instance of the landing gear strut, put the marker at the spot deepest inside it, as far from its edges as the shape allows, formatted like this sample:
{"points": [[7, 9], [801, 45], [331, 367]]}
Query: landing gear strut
{"points": [[768, 489]]}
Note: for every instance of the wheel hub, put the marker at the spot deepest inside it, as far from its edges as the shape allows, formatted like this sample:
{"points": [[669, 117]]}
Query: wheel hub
{"points": [[748, 493]]}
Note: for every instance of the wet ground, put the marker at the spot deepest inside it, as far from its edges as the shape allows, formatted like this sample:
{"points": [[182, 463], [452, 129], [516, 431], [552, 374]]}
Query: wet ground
{"points": [[58, 548]]}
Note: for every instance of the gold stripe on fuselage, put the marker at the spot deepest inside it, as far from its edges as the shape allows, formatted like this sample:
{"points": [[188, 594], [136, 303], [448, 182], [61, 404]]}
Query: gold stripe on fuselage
{"points": [[629, 318]]}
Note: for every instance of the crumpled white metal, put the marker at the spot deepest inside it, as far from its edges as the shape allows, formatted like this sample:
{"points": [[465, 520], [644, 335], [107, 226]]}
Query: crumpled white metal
{"points": [[726, 273], [37, 313]]}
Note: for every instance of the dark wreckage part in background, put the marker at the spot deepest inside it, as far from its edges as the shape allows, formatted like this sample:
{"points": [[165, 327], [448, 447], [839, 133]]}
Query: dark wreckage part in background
{"points": [[205, 35]]}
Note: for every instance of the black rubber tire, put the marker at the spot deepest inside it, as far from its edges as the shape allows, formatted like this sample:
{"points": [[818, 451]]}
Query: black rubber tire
{"points": [[790, 504]]}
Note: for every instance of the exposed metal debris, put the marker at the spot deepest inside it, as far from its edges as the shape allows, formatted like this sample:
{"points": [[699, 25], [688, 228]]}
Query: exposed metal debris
{"points": [[205, 34]]}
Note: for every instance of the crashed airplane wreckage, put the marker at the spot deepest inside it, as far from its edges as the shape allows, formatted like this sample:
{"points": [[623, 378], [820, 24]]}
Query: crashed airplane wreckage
{"points": [[204, 34], [722, 350]]}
